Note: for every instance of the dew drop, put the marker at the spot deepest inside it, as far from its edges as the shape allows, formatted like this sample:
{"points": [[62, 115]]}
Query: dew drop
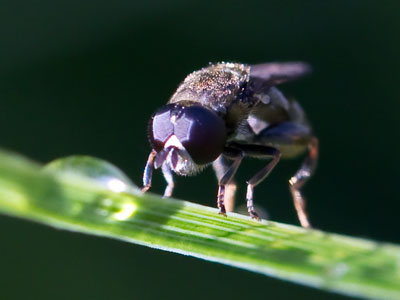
{"points": [[99, 170]]}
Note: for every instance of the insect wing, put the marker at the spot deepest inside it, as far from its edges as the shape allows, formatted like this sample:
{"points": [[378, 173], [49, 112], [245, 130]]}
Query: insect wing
{"points": [[270, 74]]}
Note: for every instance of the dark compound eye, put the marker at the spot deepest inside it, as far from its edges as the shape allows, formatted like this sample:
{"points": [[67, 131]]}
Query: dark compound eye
{"points": [[161, 127], [202, 133], [200, 130]]}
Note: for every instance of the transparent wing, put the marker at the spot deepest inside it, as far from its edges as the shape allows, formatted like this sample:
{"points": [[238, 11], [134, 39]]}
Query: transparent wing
{"points": [[270, 74]]}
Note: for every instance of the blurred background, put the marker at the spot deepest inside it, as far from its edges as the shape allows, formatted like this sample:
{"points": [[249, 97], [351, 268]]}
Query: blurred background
{"points": [[83, 77]]}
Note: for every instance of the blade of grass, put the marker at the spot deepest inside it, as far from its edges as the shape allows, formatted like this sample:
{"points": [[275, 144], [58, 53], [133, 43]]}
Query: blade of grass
{"points": [[322, 260]]}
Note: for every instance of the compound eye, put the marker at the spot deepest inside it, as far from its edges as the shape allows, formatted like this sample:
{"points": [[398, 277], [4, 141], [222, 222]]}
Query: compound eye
{"points": [[160, 127], [202, 132]]}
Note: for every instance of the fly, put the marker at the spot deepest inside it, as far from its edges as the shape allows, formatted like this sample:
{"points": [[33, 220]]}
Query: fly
{"points": [[225, 112]]}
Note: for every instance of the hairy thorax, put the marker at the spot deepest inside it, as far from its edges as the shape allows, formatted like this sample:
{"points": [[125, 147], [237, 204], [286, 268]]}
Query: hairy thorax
{"points": [[216, 86]]}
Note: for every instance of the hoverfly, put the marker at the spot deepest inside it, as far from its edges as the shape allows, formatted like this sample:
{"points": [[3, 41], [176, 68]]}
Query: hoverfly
{"points": [[224, 112]]}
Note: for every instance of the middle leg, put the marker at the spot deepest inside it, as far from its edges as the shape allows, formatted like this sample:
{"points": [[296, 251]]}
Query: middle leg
{"points": [[260, 152], [221, 166], [225, 176]]}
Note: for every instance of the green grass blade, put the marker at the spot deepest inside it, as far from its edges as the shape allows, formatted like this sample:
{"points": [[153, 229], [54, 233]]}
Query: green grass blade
{"points": [[326, 261]]}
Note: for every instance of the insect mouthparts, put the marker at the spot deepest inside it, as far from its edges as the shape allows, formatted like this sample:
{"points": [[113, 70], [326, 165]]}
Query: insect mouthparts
{"points": [[173, 141]]}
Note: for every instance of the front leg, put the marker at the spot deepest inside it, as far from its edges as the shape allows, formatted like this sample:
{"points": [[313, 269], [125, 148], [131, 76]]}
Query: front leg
{"points": [[148, 171], [169, 178]]}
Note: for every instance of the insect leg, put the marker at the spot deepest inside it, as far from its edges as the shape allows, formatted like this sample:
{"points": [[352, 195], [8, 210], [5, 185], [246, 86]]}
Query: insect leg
{"points": [[300, 178], [169, 179], [226, 178], [221, 166], [264, 152], [148, 171]]}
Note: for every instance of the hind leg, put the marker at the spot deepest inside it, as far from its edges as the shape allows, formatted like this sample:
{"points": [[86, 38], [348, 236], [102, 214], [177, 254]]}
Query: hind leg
{"points": [[300, 178], [293, 138]]}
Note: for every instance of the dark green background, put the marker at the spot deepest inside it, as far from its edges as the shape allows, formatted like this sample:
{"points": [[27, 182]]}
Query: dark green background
{"points": [[83, 77]]}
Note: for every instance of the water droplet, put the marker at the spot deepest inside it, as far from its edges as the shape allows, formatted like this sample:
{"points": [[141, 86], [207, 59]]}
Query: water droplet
{"points": [[96, 169]]}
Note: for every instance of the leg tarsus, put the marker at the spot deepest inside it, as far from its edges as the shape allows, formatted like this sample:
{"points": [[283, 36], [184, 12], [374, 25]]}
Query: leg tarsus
{"points": [[220, 200], [300, 178], [260, 176], [250, 205], [145, 188], [221, 167], [169, 179], [148, 171], [225, 175], [300, 206], [254, 215]]}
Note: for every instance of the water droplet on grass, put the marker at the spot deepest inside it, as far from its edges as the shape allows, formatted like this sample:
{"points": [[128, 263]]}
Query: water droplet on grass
{"points": [[101, 171]]}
